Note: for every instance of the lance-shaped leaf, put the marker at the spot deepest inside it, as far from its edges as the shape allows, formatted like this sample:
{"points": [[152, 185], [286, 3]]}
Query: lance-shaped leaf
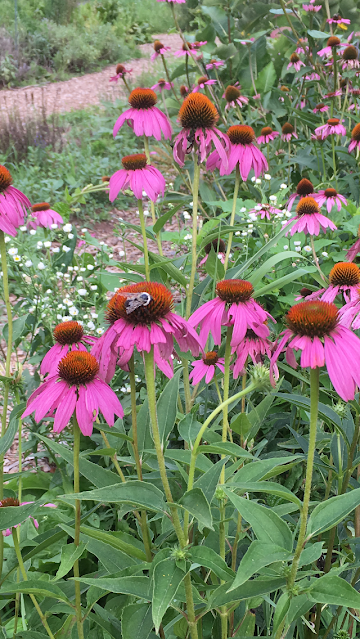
{"points": [[167, 578]]}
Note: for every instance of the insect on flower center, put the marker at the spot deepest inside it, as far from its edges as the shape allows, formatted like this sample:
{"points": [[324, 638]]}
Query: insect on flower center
{"points": [[120, 69], [330, 192], [294, 58], [203, 79], [68, 333], [287, 128], [345, 274], [41, 206], [319, 106], [142, 98], [333, 41], [241, 134], [231, 93], [266, 130], [162, 302], [355, 134], [304, 292], [9, 501], [313, 319], [218, 244], [307, 206], [5, 178], [158, 46], [133, 162], [333, 121], [305, 187], [234, 291], [350, 53], [210, 358], [78, 367], [198, 112], [284, 89]]}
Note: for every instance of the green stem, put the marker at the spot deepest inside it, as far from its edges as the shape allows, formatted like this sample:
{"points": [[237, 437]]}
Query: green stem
{"points": [[314, 406], [334, 161], [187, 391], [288, 20], [187, 71], [25, 578], [323, 162], [195, 194], [79, 621], [143, 232], [334, 67], [232, 217], [152, 205], [168, 78], [126, 84]]}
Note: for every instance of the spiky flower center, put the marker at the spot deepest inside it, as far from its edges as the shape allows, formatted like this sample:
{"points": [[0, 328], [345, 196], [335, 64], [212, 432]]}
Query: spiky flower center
{"points": [[41, 206], [231, 93], [158, 46], [294, 58], [198, 112], [287, 128], [313, 319], [333, 121], [355, 133], [162, 82], [5, 178], [203, 79], [120, 69], [345, 274], [333, 41], [305, 187], [78, 367], [142, 98], [266, 130], [162, 302], [218, 245], [133, 162], [304, 292], [319, 106], [210, 358], [307, 206], [241, 134], [234, 291], [187, 45], [330, 192], [68, 333], [350, 53], [9, 501]]}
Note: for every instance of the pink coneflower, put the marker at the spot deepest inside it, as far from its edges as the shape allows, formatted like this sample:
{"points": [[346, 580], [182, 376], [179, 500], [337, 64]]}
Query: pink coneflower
{"points": [[331, 197], [333, 94], [321, 108], [162, 85], [144, 117], [332, 127], [344, 278], [355, 138], [68, 336], [233, 97], [243, 151], [303, 189], [312, 7], [13, 204], [333, 43], [350, 58], [288, 132], [354, 249], [121, 71], [149, 324], [190, 49], [11, 501], [314, 329], [309, 219], [198, 116], [77, 388], [159, 49], [235, 307], [206, 367], [251, 346], [139, 177], [202, 83], [265, 211], [267, 135], [313, 77], [176, 1], [349, 315], [337, 19], [295, 62], [219, 247], [214, 64], [43, 215], [302, 47]]}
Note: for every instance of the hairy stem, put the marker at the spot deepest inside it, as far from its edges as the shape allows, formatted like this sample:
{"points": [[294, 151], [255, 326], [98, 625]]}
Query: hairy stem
{"points": [[143, 232], [232, 217], [195, 194], [79, 621]]}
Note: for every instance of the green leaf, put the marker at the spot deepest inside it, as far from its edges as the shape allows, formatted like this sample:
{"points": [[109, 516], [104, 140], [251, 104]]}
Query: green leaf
{"points": [[7, 439], [169, 268], [264, 468], [282, 281], [282, 607], [266, 78], [269, 487], [69, 554], [253, 588], [195, 502], [136, 586], [331, 589], [299, 606], [225, 448], [167, 578], [207, 557], [181, 70], [209, 480], [317, 34], [18, 328], [329, 513], [267, 526], [264, 269], [38, 587], [13, 515], [136, 493], [114, 539], [167, 406], [160, 223], [136, 621], [257, 556]]}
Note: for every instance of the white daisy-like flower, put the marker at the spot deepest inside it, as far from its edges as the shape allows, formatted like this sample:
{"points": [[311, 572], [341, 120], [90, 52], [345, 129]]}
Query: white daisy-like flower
{"points": [[243, 209], [80, 278], [70, 268], [82, 291], [67, 228], [283, 186], [84, 230], [71, 236], [66, 249], [298, 248], [286, 247], [325, 254], [73, 310], [76, 268], [41, 266], [267, 176], [188, 236], [94, 315], [257, 181], [28, 263], [186, 215], [56, 249], [273, 198], [307, 249], [89, 267], [53, 226], [13, 251], [32, 232], [94, 287], [121, 253], [91, 325], [39, 244], [297, 243], [23, 228], [47, 244], [99, 331], [17, 258]]}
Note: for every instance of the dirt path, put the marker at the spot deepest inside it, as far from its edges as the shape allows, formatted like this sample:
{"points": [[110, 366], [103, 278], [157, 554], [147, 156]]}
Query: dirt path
{"points": [[86, 90]]}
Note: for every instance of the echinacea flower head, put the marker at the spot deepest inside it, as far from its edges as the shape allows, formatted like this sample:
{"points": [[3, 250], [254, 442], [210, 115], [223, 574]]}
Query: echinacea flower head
{"points": [[331, 197], [350, 58], [265, 211], [219, 247], [337, 19], [13, 204], [344, 278], [190, 49], [309, 219], [312, 7], [321, 108], [267, 135], [288, 132], [202, 83], [198, 116], [243, 151], [159, 49], [295, 62], [315, 330], [77, 388], [333, 43], [354, 249], [252, 346], [144, 117], [232, 306], [162, 85], [206, 367], [43, 215], [214, 64], [332, 127], [138, 176], [120, 72], [233, 97], [355, 138], [154, 324], [304, 189], [68, 336], [13, 502]]}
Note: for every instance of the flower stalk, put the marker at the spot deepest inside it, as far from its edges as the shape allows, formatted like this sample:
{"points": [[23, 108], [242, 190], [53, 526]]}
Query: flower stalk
{"points": [[79, 620], [152, 205], [195, 194], [232, 217], [143, 233]]}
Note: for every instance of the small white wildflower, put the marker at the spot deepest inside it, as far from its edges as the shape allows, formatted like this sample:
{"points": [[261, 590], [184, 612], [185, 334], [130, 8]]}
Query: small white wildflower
{"points": [[297, 243], [22, 228], [32, 232], [8, 239], [257, 181], [288, 213], [41, 266], [307, 249], [298, 248], [71, 236], [59, 317], [244, 233], [17, 258], [67, 228], [250, 226], [286, 247], [84, 230], [237, 232], [267, 176], [61, 306], [283, 186], [47, 244], [73, 310], [111, 255], [257, 207], [102, 244], [90, 267], [28, 263], [188, 237], [70, 268], [76, 268], [82, 291], [325, 254], [253, 179], [80, 322], [67, 301], [121, 253], [56, 249], [94, 287], [252, 217], [273, 198], [99, 331], [39, 244], [80, 278], [59, 274], [91, 325], [94, 315], [186, 215], [243, 209], [66, 276], [191, 203], [54, 226], [13, 251], [66, 249]]}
